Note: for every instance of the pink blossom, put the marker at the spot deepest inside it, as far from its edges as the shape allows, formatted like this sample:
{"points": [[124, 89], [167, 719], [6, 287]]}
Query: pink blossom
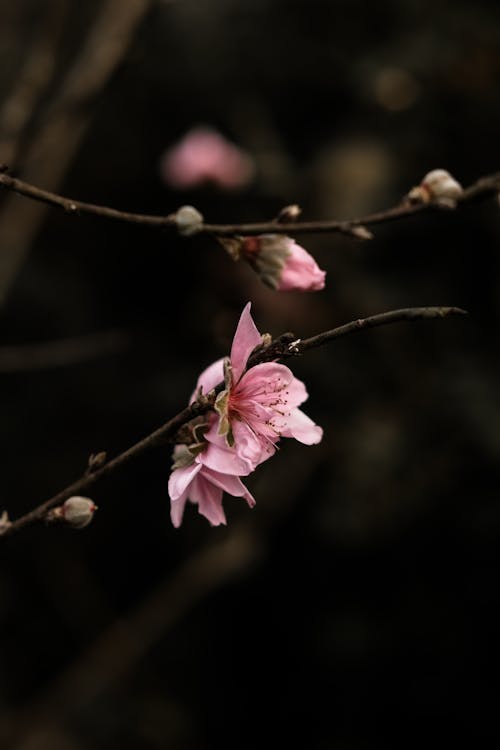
{"points": [[258, 406], [282, 264], [203, 487], [300, 271], [203, 155]]}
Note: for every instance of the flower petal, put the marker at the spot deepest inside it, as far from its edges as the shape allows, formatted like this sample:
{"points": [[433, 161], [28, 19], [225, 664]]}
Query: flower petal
{"points": [[300, 271], [252, 448], [262, 382], [217, 456], [177, 509], [302, 428], [180, 479], [209, 378], [232, 485], [245, 340], [208, 496]]}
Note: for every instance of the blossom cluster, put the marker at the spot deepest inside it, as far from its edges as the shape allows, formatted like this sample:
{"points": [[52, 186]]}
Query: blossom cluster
{"points": [[256, 408]]}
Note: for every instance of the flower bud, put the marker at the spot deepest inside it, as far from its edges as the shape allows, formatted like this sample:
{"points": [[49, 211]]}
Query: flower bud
{"points": [[77, 511], [438, 186], [189, 221], [282, 264], [289, 213]]}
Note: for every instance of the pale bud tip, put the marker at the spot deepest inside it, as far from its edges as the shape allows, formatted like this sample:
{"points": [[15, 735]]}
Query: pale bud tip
{"points": [[289, 213], [438, 186], [189, 221]]}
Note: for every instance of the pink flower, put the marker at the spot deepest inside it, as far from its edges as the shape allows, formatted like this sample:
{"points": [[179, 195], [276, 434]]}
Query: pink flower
{"points": [[203, 487], [203, 155], [282, 264], [258, 406]]}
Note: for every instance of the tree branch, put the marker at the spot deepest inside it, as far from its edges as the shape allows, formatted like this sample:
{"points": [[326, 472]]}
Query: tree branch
{"points": [[482, 188], [283, 347]]}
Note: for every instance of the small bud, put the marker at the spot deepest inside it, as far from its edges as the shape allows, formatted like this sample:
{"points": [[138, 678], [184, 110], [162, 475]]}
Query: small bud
{"points": [[96, 460], [361, 232], [76, 511], [438, 186], [189, 221], [289, 213]]}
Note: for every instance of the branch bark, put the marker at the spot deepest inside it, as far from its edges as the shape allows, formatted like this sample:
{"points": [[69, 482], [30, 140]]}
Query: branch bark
{"points": [[482, 188]]}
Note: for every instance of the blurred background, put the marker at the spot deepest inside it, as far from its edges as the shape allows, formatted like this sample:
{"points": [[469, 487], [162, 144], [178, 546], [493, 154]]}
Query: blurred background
{"points": [[355, 606]]}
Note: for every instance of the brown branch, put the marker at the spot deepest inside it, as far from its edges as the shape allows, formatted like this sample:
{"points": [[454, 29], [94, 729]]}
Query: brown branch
{"points": [[287, 345], [281, 348], [483, 188]]}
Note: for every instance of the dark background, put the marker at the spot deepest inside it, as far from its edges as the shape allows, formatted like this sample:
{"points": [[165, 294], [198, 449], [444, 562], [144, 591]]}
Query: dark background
{"points": [[355, 606]]}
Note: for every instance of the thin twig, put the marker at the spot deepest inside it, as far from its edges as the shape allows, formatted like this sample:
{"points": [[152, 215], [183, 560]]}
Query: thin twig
{"points": [[281, 348], [482, 188]]}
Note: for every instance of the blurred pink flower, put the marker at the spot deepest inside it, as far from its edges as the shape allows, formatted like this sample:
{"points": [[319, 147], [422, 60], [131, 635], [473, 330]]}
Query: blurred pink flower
{"points": [[258, 406], [203, 155], [282, 264], [203, 487]]}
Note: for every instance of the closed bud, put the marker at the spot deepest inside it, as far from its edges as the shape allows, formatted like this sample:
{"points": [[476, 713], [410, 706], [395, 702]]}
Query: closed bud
{"points": [[438, 186], [361, 232], [282, 264], [289, 213], [77, 511], [189, 221], [96, 461]]}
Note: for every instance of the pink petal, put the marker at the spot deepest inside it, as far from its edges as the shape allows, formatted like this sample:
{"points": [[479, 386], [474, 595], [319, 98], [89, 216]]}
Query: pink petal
{"points": [[297, 393], [245, 340], [232, 485], [262, 382], [208, 496], [209, 378], [180, 479], [217, 456], [177, 509], [301, 272], [302, 428], [250, 447]]}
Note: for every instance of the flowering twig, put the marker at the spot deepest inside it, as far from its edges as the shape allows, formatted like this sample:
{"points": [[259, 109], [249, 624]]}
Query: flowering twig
{"points": [[482, 188], [286, 345]]}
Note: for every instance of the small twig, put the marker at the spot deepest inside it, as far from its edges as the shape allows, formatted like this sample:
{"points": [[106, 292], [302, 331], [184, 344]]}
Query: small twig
{"points": [[484, 187], [394, 316], [287, 345], [280, 348]]}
